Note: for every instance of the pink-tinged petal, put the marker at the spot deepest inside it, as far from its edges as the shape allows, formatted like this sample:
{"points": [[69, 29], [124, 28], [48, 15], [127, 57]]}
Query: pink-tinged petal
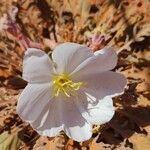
{"points": [[37, 67], [68, 56], [104, 84], [33, 100], [102, 60]]}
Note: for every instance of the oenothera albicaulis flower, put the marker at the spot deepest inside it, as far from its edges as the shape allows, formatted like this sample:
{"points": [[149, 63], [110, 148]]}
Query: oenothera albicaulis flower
{"points": [[71, 92]]}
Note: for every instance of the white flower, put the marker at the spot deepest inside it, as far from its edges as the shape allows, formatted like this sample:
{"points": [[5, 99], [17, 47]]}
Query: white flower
{"points": [[72, 92]]}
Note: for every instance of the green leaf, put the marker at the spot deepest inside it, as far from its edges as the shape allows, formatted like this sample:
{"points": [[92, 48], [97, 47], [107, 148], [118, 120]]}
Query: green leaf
{"points": [[9, 141]]}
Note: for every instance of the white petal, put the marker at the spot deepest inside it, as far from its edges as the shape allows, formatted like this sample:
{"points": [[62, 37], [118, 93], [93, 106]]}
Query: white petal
{"points": [[63, 114], [104, 84], [49, 123], [75, 126], [37, 66], [94, 110], [33, 100], [79, 133], [99, 113], [50, 131], [68, 56], [103, 60]]}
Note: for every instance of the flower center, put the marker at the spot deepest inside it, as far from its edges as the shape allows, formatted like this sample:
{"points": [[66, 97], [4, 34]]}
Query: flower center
{"points": [[62, 84]]}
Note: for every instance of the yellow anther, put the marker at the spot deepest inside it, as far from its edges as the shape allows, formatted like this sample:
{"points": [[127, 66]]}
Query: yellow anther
{"points": [[62, 84]]}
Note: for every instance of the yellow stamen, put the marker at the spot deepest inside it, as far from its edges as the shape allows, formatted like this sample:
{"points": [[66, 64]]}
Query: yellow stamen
{"points": [[62, 84], [98, 128]]}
